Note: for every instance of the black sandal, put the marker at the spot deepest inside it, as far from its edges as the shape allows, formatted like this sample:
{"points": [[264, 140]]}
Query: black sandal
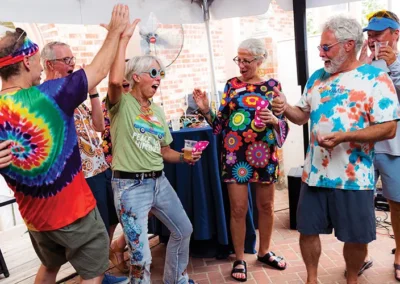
{"points": [[239, 270], [365, 266], [274, 263], [396, 268]]}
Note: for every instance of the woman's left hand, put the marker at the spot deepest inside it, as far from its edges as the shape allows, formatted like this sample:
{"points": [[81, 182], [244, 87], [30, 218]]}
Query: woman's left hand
{"points": [[267, 117], [196, 156]]}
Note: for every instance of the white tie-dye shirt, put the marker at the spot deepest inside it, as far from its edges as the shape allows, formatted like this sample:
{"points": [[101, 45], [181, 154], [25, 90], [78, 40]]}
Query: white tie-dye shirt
{"points": [[348, 101]]}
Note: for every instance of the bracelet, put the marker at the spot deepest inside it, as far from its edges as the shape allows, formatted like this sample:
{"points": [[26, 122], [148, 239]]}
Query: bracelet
{"points": [[93, 96], [181, 158]]}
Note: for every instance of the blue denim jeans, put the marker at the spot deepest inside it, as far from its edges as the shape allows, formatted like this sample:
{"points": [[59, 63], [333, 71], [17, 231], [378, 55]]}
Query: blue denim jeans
{"points": [[134, 199]]}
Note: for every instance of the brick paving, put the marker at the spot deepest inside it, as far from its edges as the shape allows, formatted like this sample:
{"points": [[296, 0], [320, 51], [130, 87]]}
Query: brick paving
{"points": [[285, 243]]}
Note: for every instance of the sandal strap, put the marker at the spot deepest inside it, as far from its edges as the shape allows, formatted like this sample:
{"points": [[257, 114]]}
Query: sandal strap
{"points": [[239, 262], [270, 254], [239, 270]]}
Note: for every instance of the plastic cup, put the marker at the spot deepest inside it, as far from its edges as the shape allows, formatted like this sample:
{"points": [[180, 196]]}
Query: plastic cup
{"points": [[188, 150], [175, 123], [378, 45]]}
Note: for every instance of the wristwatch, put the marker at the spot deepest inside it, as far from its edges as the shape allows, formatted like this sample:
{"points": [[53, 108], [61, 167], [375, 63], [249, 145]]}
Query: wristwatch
{"points": [[181, 158], [93, 96]]}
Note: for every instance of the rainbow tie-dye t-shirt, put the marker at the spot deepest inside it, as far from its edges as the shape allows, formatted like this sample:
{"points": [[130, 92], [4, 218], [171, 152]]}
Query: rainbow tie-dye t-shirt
{"points": [[347, 101], [46, 173]]}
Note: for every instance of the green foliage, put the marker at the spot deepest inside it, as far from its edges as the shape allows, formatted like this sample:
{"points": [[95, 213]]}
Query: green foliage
{"points": [[369, 6]]}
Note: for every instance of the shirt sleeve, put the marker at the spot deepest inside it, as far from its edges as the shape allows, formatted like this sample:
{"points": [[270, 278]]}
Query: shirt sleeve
{"points": [[220, 120], [69, 92], [395, 75], [384, 104], [167, 139]]}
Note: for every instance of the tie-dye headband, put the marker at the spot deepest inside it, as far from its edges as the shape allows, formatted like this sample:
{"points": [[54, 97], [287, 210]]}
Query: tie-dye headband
{"points": [[28, 48]]}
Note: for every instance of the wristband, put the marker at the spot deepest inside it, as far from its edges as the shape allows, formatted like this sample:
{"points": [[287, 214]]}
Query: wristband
{"points": [[93, 96], [181, 158]]}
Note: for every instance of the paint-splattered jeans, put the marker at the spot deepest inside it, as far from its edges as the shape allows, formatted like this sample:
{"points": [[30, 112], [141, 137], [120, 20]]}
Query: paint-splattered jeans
{"points": [[133, 200]]}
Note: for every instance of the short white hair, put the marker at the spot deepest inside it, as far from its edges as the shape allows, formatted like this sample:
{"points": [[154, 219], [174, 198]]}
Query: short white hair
{"points": [[345, 28], [47, 52], [140, 64], [256, 48]]}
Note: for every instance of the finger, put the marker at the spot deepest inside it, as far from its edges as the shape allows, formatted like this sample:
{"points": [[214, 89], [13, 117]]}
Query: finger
{"points": [[6, 159], [276, 90], [5, 144], [5, 164], [135, 23]]}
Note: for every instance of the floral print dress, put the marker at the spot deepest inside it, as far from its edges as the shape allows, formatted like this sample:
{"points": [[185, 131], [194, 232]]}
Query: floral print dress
{"points": [[249, 153]]}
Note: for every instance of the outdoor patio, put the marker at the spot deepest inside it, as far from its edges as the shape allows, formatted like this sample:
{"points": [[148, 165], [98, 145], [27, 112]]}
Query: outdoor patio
{"points": [[23, 263]]}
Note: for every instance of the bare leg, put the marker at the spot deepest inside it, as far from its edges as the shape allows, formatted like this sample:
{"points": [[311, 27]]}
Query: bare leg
{"points": [[238, 198], [97, 280], [310, 246], [354, 255], [46, 275], [265, 206], [395, 218]]}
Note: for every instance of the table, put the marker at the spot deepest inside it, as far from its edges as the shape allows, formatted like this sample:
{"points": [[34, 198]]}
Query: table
{"points": [[204, 198]]}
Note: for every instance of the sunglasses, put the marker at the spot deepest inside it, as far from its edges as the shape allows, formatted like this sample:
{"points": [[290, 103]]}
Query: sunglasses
{"points": [[154, 73], [326, 47], [380, 14], [67, 60]]}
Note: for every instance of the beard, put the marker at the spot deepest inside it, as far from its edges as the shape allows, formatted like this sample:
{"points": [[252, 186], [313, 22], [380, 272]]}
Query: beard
{"points": [[336, 63]]}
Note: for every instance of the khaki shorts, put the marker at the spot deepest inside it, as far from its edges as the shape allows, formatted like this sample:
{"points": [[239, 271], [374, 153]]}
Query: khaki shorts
{"points": [[84, 243]]}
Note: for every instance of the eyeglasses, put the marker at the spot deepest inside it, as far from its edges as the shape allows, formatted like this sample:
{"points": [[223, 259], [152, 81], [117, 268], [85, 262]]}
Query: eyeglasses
{"points": [[154, 73], [326, 47], [67, 60], [245, 62]]}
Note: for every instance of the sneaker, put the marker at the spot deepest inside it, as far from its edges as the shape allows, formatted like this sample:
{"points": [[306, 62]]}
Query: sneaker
{"points": [[109, 279]]}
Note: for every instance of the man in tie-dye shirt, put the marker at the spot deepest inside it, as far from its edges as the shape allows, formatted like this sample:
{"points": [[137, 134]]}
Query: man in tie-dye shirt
{"points": [[45, 172], [350, 106]]}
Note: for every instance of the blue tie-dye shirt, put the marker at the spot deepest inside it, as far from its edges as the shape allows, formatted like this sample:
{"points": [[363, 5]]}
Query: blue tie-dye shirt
{"points": [[346, 101]]}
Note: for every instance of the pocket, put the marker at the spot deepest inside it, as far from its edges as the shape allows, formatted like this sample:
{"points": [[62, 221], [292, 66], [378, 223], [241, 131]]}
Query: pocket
{"points": [[121, 185]]}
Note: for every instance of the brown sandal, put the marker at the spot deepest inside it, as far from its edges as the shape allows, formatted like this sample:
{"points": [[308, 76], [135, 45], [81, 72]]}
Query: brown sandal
{"points": [[121, 266]]}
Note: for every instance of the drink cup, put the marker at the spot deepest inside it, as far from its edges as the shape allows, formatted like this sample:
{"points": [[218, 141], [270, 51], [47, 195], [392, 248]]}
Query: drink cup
{"points": [[378, 45], [175, 123], [188, 150]]}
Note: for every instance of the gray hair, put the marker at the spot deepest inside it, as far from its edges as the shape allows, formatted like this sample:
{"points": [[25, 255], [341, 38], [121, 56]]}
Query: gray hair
{"points": [[256, 47], [138, 65], [346, 28], [48, 52]]}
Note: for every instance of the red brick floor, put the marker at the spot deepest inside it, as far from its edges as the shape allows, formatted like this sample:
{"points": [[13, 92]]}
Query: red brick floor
{"points": [[285, 243]]}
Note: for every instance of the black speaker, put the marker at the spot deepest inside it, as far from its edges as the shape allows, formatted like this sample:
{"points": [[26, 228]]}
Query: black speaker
{"points": [[294, 184], [380, 202]]}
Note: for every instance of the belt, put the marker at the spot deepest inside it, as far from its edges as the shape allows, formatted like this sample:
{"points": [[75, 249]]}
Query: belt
{"points": [[128, 175]]}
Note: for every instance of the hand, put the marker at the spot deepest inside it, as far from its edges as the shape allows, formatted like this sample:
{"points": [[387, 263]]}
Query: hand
{"points": [[5, 154], [331, 140], [119, 19], [196, 156], [130, 29], [267, 117], [279, 103], [201, 100], [364, 58], [386, 53]]}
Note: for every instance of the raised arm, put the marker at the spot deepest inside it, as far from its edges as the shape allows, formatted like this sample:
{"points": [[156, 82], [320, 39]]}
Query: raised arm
{"points": [[97, 112], [117, 71], [101, 64]]}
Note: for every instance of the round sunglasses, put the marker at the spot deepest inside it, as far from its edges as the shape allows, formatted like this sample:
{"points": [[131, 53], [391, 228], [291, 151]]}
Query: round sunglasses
{"points": [[154, 73]]}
